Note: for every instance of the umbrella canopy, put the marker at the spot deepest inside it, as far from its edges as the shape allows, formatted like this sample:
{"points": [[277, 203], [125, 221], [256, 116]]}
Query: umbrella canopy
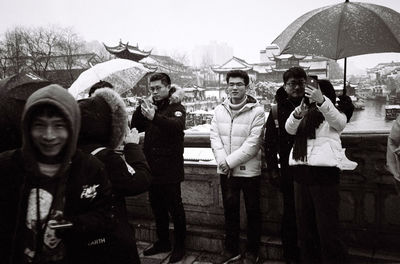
{"points": [[343, 30], [14, 91], [121, 73], [21, 86]]}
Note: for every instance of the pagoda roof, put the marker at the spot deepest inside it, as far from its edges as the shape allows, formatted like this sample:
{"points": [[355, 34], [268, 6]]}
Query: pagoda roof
{"points": [[126, 51], [233, 64]]}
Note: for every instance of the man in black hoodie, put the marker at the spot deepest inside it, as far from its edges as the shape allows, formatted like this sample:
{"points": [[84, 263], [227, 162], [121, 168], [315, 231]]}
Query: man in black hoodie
{"points": [[287, 98], [163, 122], [48, 184]]}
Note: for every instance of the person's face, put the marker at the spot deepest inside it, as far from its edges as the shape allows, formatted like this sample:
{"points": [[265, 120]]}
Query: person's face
{"points": [[49, 134], [294, 87], [236, 89], [158, 90]]}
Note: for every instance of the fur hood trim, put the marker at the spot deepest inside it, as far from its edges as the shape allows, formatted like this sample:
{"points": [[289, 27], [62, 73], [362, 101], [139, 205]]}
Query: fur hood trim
{"points": [[119, 116]]}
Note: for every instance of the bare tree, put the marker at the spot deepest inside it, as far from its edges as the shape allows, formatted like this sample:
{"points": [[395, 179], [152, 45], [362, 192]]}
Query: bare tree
{"points": [[14, 50], [41, 44], [70, 45]]}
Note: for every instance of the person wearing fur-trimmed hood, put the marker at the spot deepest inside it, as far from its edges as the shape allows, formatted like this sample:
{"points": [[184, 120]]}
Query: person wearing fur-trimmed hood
{"points": [[163, 120], [104, 128]]}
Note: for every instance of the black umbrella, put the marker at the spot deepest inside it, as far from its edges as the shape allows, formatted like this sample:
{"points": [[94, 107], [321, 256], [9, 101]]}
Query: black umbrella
{"points": [[343, 30], [21, 86], [14, 91]]}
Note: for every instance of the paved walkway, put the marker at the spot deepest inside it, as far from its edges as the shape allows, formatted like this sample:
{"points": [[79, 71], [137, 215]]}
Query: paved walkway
{"points": [[192, 257], [201, 257]]}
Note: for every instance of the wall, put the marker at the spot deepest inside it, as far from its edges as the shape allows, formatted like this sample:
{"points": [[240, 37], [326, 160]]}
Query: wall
{"points": [[369, 210]]}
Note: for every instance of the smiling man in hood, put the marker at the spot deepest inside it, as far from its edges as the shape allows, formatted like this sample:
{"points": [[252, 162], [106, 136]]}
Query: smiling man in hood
{"points": [[49, 185]]}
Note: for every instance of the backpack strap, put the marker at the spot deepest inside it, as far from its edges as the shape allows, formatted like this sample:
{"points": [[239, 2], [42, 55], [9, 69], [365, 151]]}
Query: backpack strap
{"points": [[94, 152], [130, 169], [274, 112]]}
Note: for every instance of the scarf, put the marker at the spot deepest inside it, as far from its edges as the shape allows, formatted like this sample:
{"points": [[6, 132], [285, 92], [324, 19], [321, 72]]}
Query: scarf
{"points": [[306, 130]]}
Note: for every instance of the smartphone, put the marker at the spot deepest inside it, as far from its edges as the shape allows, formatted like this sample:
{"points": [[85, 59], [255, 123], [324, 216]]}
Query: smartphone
{"points": [[59, 224], [311, 81]]}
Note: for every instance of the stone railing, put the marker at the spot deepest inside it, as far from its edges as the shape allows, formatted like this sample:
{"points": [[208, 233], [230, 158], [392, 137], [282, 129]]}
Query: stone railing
{"points": [[369, 210]]}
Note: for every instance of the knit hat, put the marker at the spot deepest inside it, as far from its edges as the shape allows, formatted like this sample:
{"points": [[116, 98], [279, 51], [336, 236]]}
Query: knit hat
{"points": [[104, 119]]}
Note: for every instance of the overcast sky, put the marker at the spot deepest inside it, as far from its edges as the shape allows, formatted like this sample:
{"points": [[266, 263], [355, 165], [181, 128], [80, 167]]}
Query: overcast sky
{"points": [[246, 25]]}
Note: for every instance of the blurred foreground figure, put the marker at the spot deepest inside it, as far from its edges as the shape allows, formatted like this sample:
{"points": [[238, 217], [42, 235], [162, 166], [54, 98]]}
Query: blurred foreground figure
{"points": [[393, 153], [52, 196], [104, 128]]}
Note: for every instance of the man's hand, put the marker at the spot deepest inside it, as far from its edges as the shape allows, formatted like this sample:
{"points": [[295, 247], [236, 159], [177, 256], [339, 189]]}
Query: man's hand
{"points": [[132, 136], [148, 110], [224, 167]]}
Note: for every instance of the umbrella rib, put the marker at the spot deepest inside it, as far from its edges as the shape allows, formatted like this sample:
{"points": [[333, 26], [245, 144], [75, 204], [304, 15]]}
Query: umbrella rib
{"points": [[338, 29]]}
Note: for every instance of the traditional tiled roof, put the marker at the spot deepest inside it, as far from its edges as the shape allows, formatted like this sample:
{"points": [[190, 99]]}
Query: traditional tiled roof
{"points": [[287, 56], [126, 51], [233, 64]]}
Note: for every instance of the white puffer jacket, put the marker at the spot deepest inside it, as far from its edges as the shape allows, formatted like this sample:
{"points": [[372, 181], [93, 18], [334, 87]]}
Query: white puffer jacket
{"points": [[326, 149], [237, 139]]}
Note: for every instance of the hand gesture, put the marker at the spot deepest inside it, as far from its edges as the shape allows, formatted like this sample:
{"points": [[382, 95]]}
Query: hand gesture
{"points": [[224, 167], [314, 94], [300, 111], [132, 136], [148, 109]]}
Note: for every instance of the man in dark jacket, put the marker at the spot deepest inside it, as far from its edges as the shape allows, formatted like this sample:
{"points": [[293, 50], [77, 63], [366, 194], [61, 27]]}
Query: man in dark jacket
{"points": [[163, 122], [52, 196], [287, 98], [104, 127]]}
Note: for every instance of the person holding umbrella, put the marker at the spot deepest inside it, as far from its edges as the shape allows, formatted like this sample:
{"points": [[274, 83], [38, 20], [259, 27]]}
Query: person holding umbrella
{"points": [[317, 127]]}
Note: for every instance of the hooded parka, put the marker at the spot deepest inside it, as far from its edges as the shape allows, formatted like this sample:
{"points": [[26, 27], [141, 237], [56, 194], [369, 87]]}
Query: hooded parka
{"points": [[104, 124], [79, 190]]}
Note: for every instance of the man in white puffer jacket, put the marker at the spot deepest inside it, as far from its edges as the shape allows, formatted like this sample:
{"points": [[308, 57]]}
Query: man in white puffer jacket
{"points": [[236, 133]]}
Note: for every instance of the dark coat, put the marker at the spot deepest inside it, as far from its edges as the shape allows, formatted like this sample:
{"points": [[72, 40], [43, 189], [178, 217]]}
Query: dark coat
{"points": [[285, 107], [163, 142], [104, 122], [88, 215]]}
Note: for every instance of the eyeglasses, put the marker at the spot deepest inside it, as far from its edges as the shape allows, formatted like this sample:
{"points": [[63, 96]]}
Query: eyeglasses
{"points": [[293, 84], [236, 84]]}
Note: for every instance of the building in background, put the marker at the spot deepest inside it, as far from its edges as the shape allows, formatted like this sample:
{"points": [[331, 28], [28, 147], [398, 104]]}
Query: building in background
{"points": [[126, 51]]}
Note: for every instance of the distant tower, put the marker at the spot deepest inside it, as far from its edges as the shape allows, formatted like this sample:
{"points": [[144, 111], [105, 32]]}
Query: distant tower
{"points": [[125, 51]]}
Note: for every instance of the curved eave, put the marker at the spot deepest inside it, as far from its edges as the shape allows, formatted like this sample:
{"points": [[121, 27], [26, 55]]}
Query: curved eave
{"points": [[216, 70]]}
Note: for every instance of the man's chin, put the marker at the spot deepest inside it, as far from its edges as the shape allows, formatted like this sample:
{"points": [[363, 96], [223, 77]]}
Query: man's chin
{"points": [[296, 97]]}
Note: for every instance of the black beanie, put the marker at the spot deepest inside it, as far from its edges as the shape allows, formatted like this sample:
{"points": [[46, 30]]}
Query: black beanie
{"points": [[96, 121]]}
